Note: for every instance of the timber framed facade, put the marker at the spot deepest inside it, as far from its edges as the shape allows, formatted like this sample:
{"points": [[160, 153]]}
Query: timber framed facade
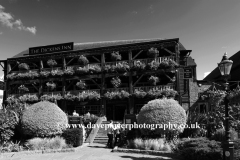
{"points": [[98, 81]]}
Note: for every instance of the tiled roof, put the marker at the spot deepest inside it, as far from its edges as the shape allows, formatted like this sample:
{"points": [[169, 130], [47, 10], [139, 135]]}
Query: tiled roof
{"points": [[91, 45]]}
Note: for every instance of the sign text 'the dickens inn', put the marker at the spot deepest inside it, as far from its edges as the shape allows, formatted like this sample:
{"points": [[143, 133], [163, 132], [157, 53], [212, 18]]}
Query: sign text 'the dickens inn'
{"points": [[51, 48]]}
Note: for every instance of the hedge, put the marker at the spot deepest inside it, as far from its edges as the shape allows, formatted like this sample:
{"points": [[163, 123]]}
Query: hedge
{"points": [[73, 136], [43, 119], [162, 111]]}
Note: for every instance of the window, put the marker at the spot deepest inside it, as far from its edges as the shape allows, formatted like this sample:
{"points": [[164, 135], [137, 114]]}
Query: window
{"points": [[202, 107]]}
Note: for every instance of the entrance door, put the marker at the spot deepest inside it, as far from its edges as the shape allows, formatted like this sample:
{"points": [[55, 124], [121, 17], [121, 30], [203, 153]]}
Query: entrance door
{"points": [[118, 112]]}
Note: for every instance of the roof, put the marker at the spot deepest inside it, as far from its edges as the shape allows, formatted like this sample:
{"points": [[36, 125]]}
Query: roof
{"points": [[235, 76], [92, 45]]}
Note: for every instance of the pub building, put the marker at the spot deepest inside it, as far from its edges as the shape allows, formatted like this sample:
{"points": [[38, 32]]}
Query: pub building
{"points": [[110, 78]]}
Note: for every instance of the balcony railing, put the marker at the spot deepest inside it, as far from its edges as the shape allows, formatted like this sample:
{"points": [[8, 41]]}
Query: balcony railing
{"points": [[158, 59], [117, 89], [87, 66], [159, 87]]}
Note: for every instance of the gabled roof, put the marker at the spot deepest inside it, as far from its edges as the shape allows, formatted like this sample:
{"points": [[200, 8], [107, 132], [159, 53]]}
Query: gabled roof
{"points": [[235, 76], [92, 45]]}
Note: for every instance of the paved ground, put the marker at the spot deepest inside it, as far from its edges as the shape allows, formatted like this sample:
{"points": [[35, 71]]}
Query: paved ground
{"points": [[92, 152]]}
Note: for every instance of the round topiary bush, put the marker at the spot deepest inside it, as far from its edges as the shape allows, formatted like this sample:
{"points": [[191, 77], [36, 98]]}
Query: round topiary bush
{"points": [[162, 112], [43, 119]]}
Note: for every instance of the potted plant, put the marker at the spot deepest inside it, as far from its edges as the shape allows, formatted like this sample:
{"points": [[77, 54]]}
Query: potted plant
{"points": [[153, 80], [51, 62], [153, 52], [83, 60], [116, 56], [116, 82], [51, 85], [23, 88], [23, 66], [81, 84]]}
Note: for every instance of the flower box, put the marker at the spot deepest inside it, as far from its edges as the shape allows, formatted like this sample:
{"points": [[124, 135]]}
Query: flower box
{"points": [[45, 74], [51, 98], [116, 95], [81, 70], [139, 93], [94, 69], [69, 72], [122, 67], [57, 73]]}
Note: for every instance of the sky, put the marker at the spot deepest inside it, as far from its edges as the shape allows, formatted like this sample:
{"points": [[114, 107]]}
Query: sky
{"points": [[207, 27]]}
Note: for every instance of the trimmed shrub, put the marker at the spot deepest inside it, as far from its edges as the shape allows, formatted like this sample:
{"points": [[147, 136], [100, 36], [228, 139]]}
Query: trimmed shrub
{"points": [[73, 136], [43, 119], [8, 122], [162, 111], [46, 143], [199, 149]]}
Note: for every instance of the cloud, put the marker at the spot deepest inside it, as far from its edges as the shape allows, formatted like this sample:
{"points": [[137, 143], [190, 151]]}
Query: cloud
{"points": [[7, 20], [134, 12], [205, 74]]}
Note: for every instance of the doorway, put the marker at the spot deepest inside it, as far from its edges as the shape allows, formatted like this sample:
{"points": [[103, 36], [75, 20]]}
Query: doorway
{"points": [[118, 112]]}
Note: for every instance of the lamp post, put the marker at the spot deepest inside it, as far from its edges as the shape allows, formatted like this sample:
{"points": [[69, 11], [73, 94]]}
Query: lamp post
{"points": [[225, 67]]}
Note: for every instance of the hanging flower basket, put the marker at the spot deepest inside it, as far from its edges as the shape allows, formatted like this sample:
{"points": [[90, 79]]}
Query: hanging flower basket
{"points": [[138, 66], [116, 82], [51, 63], [153, 52], [81, 84], [23, 88], [116, 56], [153, 80], [83, 60], [23, 66], [51, 85]]}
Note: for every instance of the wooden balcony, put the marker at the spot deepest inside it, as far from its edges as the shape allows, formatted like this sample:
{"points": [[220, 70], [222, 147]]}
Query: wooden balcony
{"points": [[21, 94]]}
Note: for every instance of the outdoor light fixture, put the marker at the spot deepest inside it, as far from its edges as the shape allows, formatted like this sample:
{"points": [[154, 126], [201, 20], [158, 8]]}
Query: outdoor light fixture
{"points": [[225, 67]]}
